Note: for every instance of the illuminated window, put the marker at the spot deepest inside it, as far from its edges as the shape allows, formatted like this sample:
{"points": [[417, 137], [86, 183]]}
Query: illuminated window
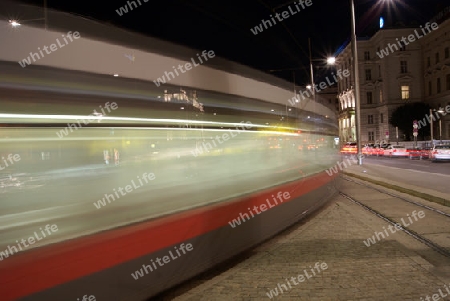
{"points": [[370, 119], [405, 92], [371, 136]]}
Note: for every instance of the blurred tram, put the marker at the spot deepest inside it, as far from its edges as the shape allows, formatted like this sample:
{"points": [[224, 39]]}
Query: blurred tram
{"points": [[213, 155]]}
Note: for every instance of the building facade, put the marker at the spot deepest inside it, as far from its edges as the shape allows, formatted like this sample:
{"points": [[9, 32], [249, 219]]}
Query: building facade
{"points": [[436, 66], [391, 74]]}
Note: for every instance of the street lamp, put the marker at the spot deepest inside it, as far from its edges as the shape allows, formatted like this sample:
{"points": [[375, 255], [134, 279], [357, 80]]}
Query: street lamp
{"points": [[356, 76], [357, 89], [330, 61], [16, 23], [440, 110]]}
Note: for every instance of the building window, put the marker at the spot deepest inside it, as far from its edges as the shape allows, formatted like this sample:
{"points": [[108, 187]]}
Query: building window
{"points": [[447, 54], [405, 92], [448, 81], [381, 96], [437, 57], [371, 136], [368, 74], [428, 62], [429, 89], [381, 118], [403, 67], [369, 119], [403, 47], [369, 98], [366, 55], [379, 71], [438, 86]]}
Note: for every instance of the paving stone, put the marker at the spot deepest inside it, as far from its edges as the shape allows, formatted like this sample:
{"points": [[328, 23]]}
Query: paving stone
{"points": [[388, 270]]}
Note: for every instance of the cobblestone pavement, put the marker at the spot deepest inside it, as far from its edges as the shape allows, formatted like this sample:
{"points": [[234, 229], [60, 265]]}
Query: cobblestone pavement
{"points": [[392, 269]]}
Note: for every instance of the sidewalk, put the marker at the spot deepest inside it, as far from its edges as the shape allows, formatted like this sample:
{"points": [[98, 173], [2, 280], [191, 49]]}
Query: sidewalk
{"points": [[389, 270]]}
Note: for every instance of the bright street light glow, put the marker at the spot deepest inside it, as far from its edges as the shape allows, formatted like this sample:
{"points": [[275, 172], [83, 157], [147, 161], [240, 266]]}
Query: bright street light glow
{"points": [[308, 87], [331, 60], [14, 23]]}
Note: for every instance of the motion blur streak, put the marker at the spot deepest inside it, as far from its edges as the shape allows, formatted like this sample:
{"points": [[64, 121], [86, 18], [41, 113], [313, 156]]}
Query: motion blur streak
{"points": [[191, 198], [58, 180], [15, 118]]}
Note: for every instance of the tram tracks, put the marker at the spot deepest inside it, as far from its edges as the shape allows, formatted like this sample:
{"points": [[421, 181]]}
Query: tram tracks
{"points": [[435, 233]]}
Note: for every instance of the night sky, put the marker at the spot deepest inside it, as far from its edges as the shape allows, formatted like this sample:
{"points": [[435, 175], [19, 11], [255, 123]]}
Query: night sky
{"points": [[224, 26]]}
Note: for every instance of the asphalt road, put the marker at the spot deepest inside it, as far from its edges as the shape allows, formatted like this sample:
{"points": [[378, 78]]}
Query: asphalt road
{"points": [[415, 164], [418, 175]]}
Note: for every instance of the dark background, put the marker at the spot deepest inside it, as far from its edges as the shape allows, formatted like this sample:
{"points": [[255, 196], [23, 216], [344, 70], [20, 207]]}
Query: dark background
{"points": [[224, 26]]}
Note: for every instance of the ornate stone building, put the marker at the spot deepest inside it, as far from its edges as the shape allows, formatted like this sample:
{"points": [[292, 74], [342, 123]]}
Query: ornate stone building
{"points": [[391, 74], [436, 66]]}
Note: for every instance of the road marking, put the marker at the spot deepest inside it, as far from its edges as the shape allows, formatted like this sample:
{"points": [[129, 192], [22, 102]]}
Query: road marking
{"points": [[419, 171]]}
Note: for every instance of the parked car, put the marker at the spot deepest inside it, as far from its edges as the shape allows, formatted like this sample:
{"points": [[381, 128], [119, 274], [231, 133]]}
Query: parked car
{"points": [[377, 150], [367, 149], [440, 152], [425, 153], [396, 151], [350, 148], [381, 149], [414, 153]]}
